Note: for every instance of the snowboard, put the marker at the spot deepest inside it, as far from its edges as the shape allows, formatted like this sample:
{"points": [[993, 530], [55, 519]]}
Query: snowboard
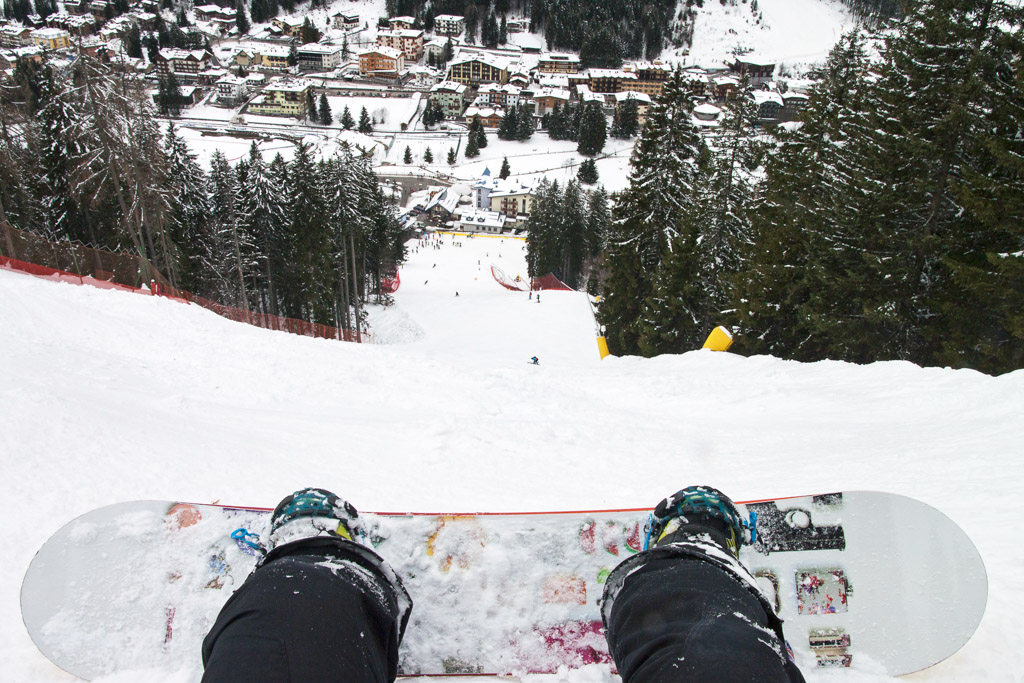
{"points": [[863, 580]]}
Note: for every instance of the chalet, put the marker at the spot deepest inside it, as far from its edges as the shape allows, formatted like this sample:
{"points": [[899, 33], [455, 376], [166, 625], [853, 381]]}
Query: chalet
{"points": [[345, 20], [442, 205], [98, 8], [401, 23], [451, 96], [434, 49], [724, 87], [213, 13], [318, 57], [289, 27], [758, 70], [769, 104], [209, 77], [545, 99], [15, 36], [381, 62], [643, 103], [449, 25], [499, 95], [474, 68], [409, 41], [482, 221], [231, 89], [184, 64], [490, 117], [73, 24], [792, 104], [517, 25], [558, 63], [284, 97]]}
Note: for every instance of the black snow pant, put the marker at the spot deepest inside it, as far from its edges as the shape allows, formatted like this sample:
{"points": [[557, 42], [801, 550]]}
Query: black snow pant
{"points": [[319, 610], [678, 617]]}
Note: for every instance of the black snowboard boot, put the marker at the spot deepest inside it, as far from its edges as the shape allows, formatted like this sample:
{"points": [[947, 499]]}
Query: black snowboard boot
{"points": [[699, 514]]}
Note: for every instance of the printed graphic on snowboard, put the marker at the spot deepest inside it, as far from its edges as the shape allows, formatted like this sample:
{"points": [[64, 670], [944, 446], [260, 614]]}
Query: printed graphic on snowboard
{"points": [[138, 585]]}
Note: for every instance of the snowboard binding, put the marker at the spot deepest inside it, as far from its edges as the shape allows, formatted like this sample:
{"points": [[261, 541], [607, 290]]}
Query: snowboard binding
{"points": [[696, 508]]}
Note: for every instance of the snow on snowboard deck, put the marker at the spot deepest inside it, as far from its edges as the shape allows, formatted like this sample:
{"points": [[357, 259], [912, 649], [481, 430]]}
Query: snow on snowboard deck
{"points": [[866, 580]]}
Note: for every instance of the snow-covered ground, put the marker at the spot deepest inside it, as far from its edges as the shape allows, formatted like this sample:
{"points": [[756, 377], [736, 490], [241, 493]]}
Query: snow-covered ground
{"points": [[793, 33], [111, 396]]}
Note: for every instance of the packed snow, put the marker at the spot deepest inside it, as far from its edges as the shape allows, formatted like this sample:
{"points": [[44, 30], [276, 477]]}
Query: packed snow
{"points": [[113, 396]]}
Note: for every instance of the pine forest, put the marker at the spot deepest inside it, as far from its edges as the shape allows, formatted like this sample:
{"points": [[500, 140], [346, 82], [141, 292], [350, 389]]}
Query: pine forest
{"points": [[83, 158]]}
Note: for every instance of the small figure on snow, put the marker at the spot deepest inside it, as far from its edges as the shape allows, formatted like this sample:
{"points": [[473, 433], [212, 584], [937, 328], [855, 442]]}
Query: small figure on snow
{"points": [[456, 293], [535, 360]]}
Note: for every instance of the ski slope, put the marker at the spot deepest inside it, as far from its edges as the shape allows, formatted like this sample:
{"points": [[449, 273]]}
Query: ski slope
{"points": [[111, 396]]}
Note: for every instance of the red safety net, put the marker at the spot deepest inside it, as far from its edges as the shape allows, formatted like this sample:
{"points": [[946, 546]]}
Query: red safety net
{"points": [[270, 322], [516, 284], [549, 281], [391, 281]]}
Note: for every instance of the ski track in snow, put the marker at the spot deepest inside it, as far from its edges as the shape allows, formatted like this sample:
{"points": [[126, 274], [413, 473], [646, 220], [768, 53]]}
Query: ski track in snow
{"points": [[110, 396]]}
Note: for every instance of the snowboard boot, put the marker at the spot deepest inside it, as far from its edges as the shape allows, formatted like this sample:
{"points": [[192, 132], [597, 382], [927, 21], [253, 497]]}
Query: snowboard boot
{"points": [[699, 514], [313, 512]]}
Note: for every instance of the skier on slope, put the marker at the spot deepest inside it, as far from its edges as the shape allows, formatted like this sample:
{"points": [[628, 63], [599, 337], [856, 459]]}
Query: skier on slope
{"points": [[321, 605]]}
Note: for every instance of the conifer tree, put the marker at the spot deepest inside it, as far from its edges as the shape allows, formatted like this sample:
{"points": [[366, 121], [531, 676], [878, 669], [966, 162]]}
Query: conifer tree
{"points": [[428, 156], [472, 147], [505, 170], [326, 117], [365, 126], [346, 120], [407, 157], [524, 123], [592, 130], [587, 173], [508, 126], [452, 158], [652, 217], [241, 21]]}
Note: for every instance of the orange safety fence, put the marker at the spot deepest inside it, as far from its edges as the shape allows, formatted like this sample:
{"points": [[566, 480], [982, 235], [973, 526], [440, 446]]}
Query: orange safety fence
{"points": [[266, 321]]}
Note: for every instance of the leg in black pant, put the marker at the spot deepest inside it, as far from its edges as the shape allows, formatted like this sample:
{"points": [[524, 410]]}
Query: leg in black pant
{"points": [[680, 618], [686, 609], [320, 605]]}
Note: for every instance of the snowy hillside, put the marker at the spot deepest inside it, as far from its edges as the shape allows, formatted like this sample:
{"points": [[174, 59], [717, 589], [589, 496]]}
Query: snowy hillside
{"points": [[110, 396], [793, 33]]}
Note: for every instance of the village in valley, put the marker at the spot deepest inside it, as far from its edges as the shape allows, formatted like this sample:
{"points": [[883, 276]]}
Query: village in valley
{"points": [[401, 92]]}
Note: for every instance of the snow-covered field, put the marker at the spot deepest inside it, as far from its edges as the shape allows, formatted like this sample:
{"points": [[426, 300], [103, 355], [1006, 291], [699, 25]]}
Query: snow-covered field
{"points": [[793, 33], [111, 396]]}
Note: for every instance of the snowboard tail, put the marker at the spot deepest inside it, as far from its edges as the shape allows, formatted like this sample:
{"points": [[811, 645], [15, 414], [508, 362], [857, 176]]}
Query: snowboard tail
{"points": [[862, 579]]}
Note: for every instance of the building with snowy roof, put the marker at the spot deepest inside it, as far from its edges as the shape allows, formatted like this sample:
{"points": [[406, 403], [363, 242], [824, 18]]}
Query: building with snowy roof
{"points": [[758, 69], [184, 64], [381, 62], [611, 80], [283, 97], [451, 97], [643, 103], [345, 20], [474, 68], [318, 57], [449, 25], [650, 76], [490, 117], [545, 99], [401, 23], [558, 63], [482, 221], [706, 115], [409, 41], [768, 105], [51, 38]]}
